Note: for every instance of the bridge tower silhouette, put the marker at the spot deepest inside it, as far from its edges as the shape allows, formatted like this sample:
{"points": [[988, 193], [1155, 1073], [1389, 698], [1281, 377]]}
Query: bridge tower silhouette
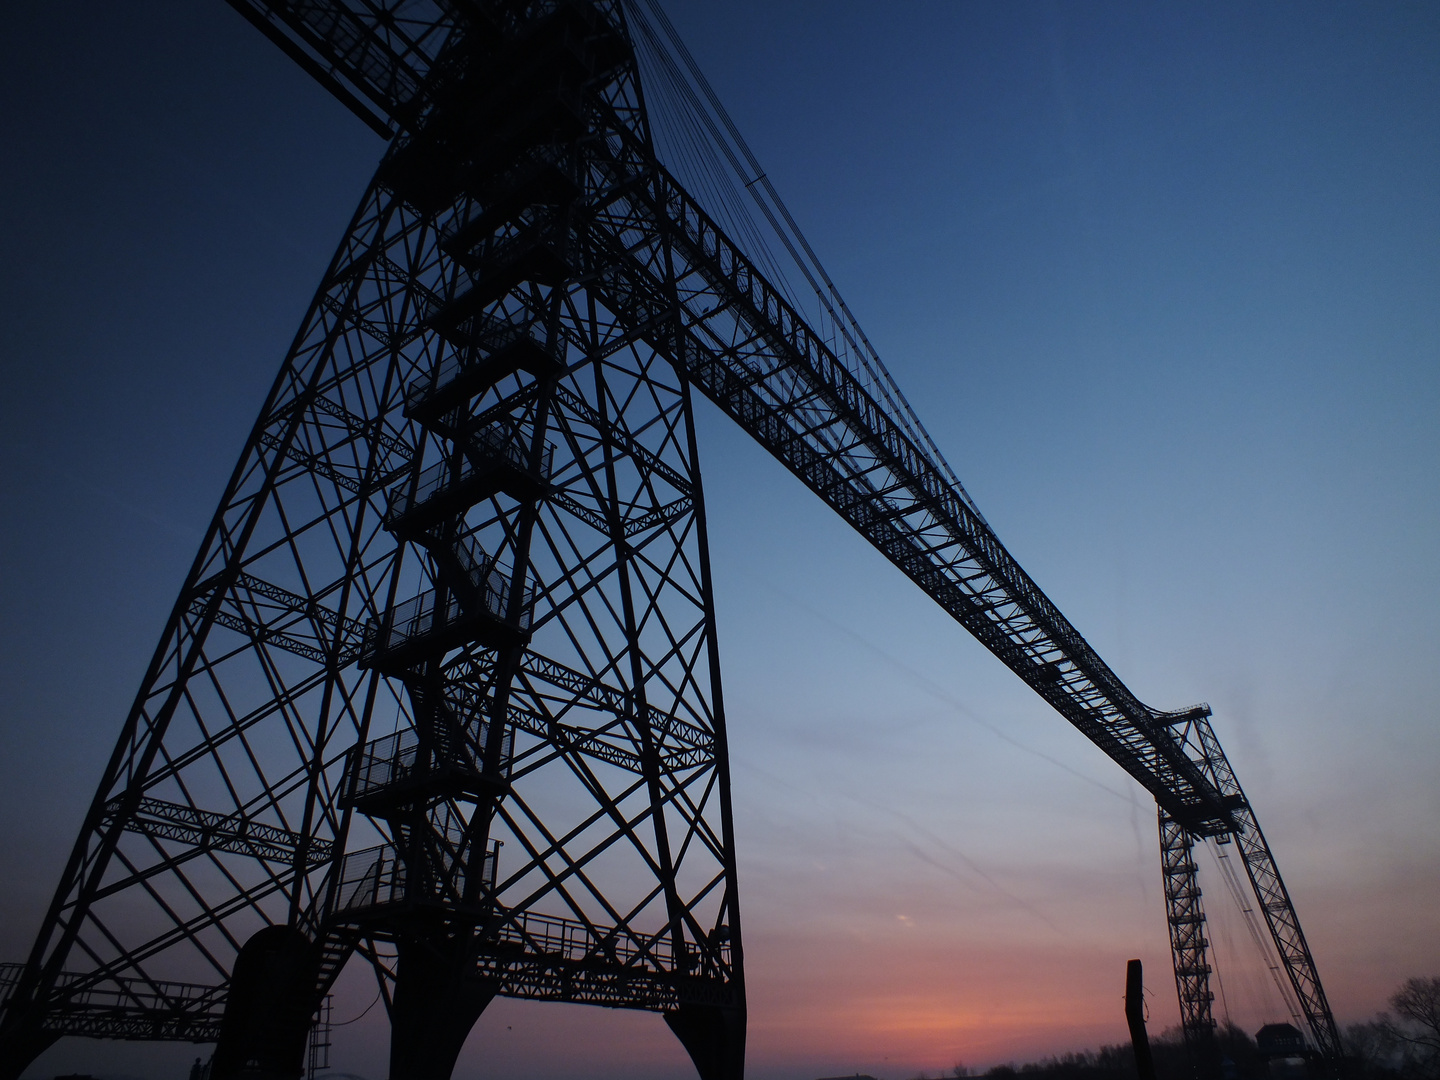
{"points": [[441, 691]]}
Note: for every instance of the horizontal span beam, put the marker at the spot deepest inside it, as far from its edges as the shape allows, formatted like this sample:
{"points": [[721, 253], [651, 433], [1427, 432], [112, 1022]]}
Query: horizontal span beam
{"points": [[127, 1007], [377, 58], [552, 958], [210, 831], [752, 354], [615, 988], [269, 615], [549, 958], [373, 55]]}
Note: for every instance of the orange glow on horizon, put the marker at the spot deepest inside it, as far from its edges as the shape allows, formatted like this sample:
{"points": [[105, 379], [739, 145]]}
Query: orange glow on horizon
{"points": [[907, 1002]]}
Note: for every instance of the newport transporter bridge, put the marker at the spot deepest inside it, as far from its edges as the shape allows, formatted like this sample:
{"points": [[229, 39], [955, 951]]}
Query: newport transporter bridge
{"points": [[471, 508]]}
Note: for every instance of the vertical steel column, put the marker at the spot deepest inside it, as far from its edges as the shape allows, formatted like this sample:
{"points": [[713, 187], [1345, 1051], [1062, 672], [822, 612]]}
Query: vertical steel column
{"points": [[1188, 946]]}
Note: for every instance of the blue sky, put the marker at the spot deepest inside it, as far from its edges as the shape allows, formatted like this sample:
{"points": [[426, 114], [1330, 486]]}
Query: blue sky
{"points": [[1162, 281]]}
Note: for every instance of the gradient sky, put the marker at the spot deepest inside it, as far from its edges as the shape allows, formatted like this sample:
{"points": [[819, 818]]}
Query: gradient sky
{"points": [[1163, 281]]}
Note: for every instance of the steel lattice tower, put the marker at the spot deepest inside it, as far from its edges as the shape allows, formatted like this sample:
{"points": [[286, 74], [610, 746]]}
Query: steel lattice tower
{"points": [[442, 687], [470, 512]]}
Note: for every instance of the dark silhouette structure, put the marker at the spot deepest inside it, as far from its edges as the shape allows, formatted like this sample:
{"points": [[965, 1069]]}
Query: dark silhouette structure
{"points": [[441, 689], [1280, 1041], [1135, 1020]]}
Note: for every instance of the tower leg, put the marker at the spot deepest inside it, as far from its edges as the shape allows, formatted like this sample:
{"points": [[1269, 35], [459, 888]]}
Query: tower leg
{"points": [[438, 998], [20, 1046], [714, 1037], [1189, 947], [269, 1008]]}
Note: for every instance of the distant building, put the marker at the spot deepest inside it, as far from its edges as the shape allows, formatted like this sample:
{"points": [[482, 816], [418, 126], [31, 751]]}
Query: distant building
{"points": [[1282, 1048], [1280, 1041]]}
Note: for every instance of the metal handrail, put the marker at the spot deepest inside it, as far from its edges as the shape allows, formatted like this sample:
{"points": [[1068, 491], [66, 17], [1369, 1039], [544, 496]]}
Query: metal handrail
{"points": [[393, 759], [376, 876], [571, 939], [503, 448], [118, 991], [499, 251], [496, 335], [423, 615], [551, 155]]}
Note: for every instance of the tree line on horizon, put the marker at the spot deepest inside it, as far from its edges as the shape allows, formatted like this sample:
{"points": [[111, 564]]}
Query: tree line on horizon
{"points": [[1402, 1043]]}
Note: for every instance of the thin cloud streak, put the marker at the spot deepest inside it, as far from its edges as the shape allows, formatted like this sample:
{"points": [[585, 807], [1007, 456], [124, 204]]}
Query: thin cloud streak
{"points": [[916, 828], [936, 690]]}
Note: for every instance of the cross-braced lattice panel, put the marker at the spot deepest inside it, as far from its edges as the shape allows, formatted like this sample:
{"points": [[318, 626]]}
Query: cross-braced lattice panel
{"points": [[219, 815], [612, 821]]}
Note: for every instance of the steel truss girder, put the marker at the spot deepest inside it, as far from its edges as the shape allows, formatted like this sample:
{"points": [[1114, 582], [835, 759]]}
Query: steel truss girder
{"points": [[783, 386], [374, 55], [837, 440], [203, 830], [780, 381], [132, 1009], [546, 958]]}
